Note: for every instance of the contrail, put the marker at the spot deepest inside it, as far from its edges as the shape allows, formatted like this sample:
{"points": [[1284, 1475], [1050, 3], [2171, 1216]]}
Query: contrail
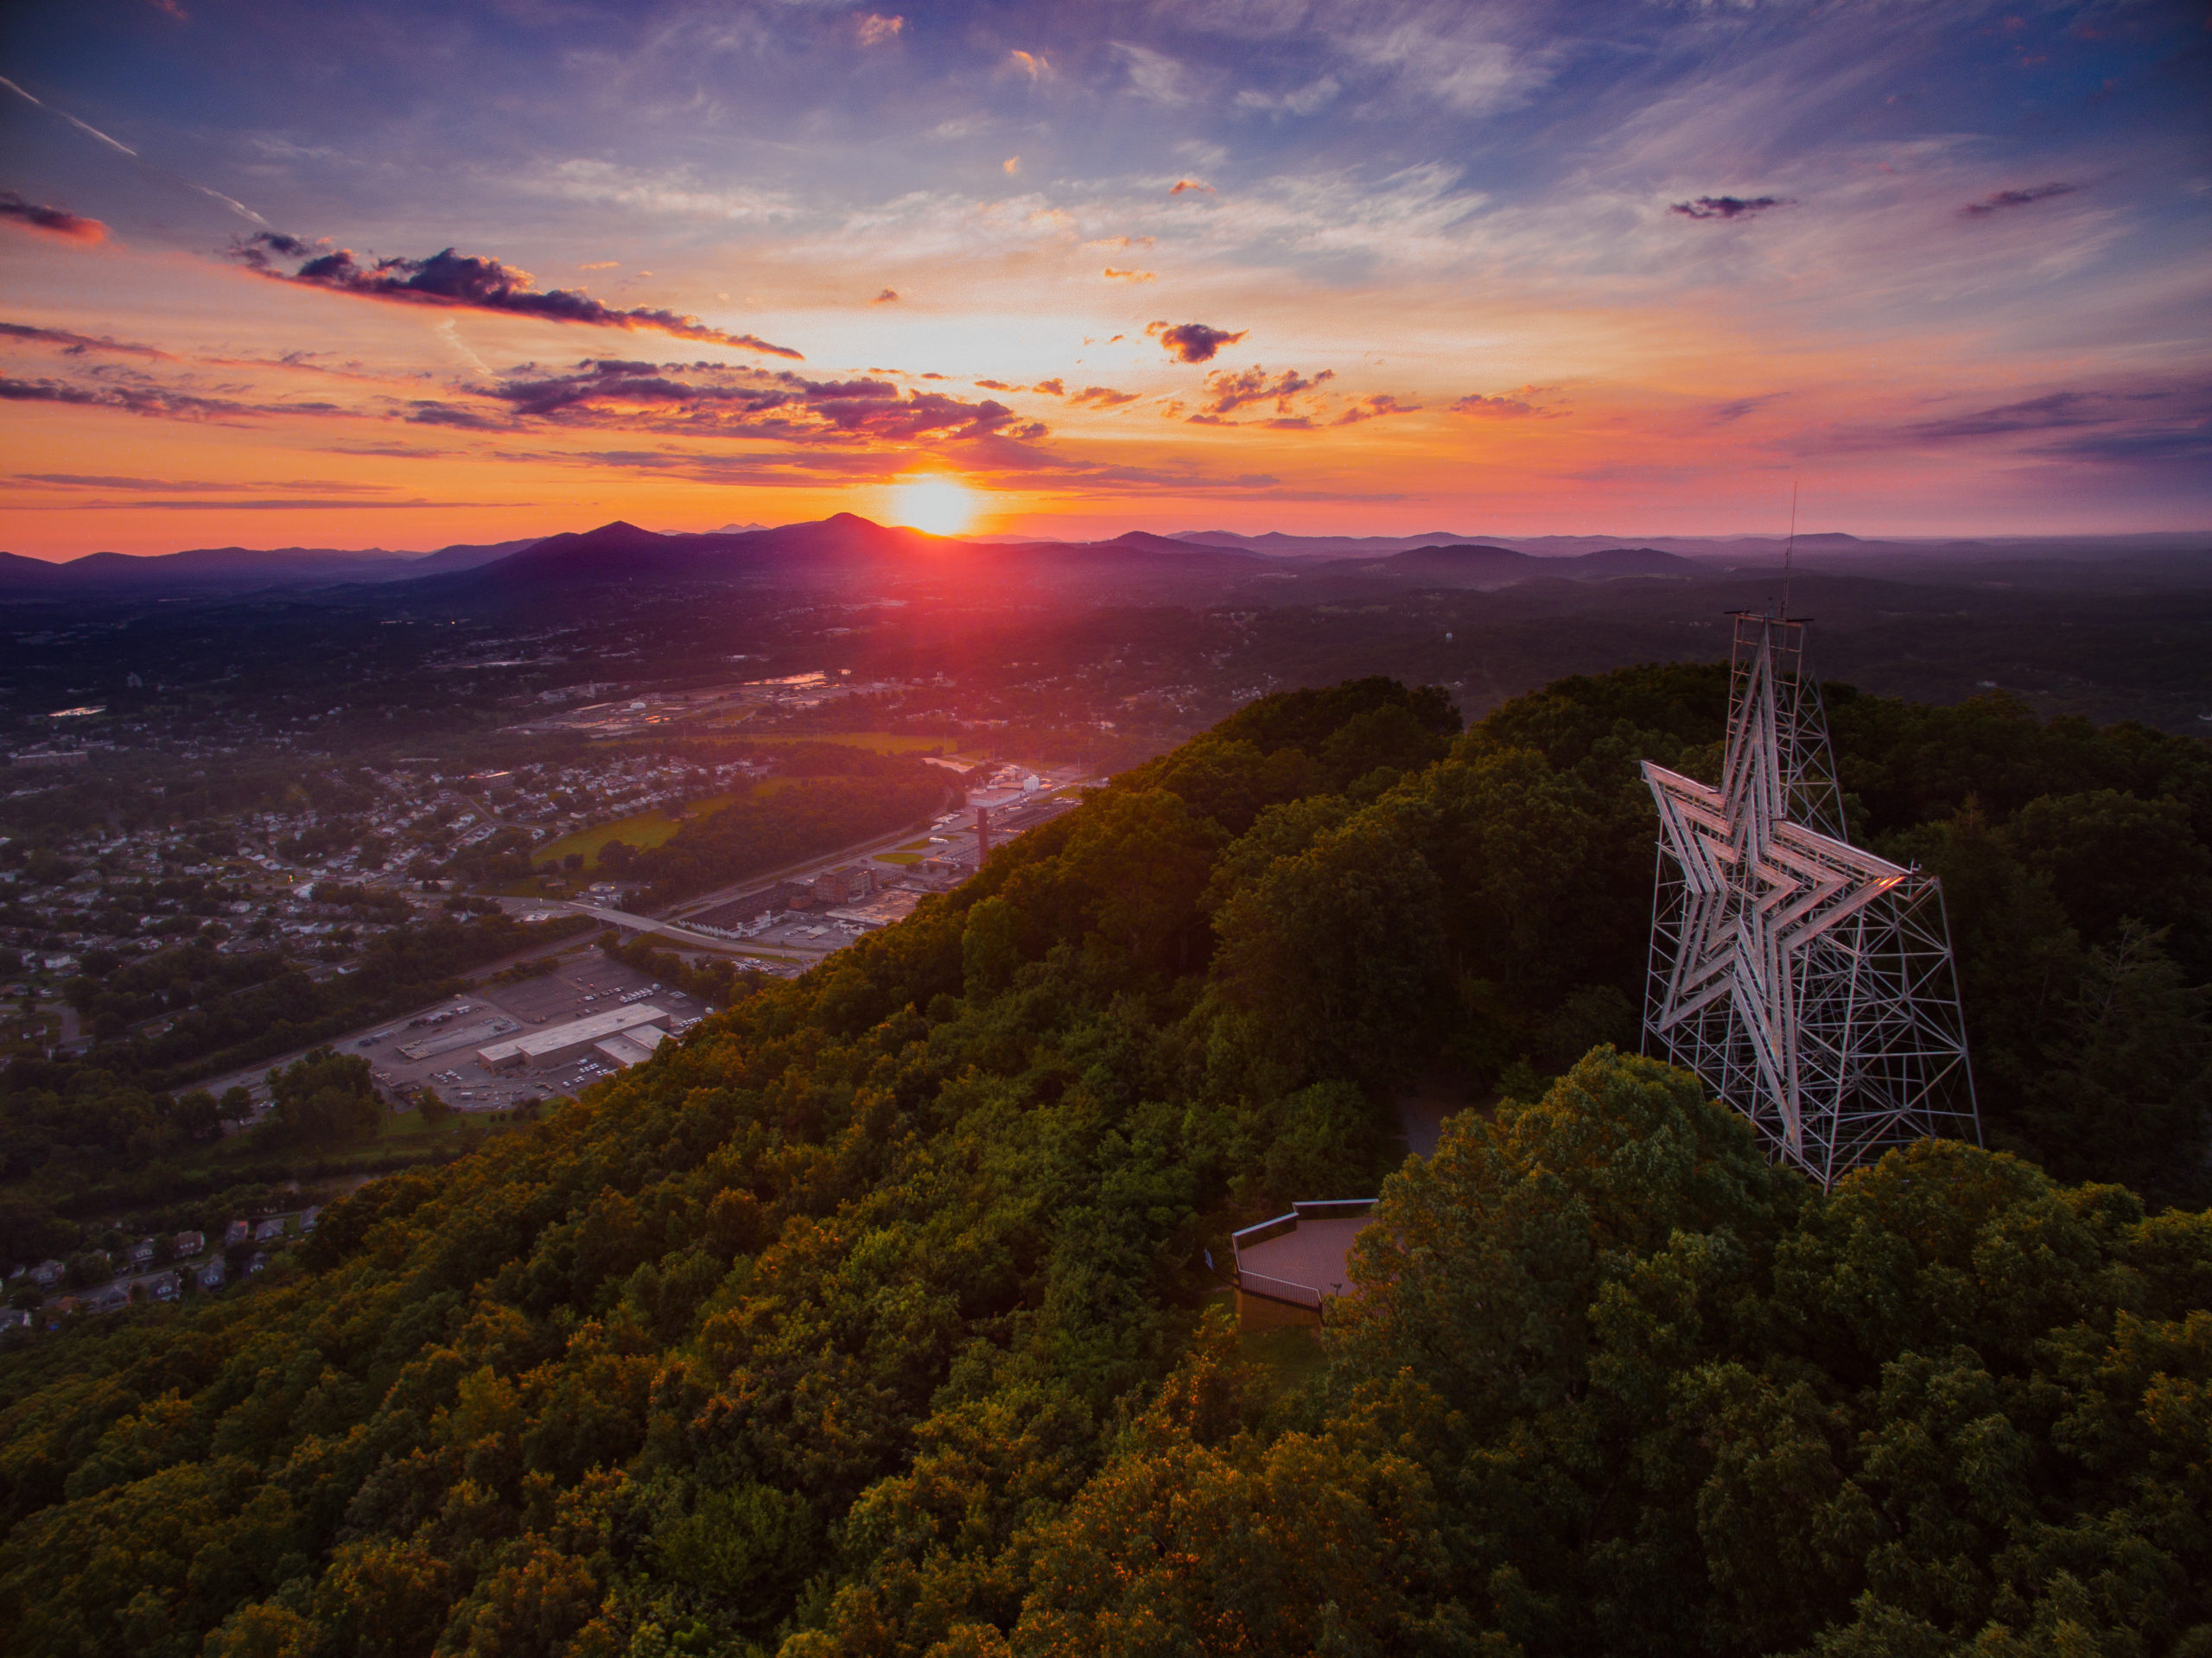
{"points": [[80, 125], [237, 207]]}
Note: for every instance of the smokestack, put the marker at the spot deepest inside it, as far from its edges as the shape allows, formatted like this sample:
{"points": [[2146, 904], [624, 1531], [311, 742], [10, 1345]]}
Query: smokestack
{"points": [[982, 835]]}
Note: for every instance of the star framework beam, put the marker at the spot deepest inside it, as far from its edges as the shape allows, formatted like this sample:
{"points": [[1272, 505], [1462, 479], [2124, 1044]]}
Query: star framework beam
{"points": [[1808, 982]]}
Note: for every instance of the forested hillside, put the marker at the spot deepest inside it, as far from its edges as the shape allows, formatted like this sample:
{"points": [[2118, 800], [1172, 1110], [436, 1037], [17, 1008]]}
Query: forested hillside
{"points": [[876, 1319]]}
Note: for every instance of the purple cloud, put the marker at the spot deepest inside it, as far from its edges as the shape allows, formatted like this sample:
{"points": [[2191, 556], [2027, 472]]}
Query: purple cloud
{"points": [[1729, 206], [1373, 408], [1508, 407], [76, 345], [1194, 342], [706, 399], [476, 284], [1231, 391], [55, 221], [2005, 198]]}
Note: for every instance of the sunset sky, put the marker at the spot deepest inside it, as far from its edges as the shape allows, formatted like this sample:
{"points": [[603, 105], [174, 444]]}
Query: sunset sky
{"points": [[396, 275]]}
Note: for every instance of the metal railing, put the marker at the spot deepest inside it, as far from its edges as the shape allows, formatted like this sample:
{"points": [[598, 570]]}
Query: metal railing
{"points": [[1279, 1289], [1333, 1209]]}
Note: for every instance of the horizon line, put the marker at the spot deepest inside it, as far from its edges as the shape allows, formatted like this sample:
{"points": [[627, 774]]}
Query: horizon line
{"points": [[1456, 537]]}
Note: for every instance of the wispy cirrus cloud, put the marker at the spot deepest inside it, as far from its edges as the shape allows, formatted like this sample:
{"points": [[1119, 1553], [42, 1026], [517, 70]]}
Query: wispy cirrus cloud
{"points": [[1511, 405], [271, 503], [2152, 426], [183, 486], [1374, 407], [1735, 408], [470, 282], [165, 403], [2027, 198], [77, 345], [1308, 100], [2052, 411], [667, 193]]}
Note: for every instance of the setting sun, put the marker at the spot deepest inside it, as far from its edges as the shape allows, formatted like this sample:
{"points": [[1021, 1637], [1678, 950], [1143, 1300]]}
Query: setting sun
{"points": [[942, 506]]}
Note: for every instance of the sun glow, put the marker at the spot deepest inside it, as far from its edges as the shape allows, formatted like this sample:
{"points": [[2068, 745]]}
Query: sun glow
{"points": [[939, 505]]}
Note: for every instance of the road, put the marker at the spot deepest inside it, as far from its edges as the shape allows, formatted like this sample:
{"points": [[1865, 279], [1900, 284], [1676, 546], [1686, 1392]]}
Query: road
{"points": [[818, 861], [695, 940]]}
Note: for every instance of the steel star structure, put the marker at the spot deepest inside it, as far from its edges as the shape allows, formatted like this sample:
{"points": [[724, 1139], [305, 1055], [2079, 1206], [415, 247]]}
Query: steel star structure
{"points": [[1808, 983]]}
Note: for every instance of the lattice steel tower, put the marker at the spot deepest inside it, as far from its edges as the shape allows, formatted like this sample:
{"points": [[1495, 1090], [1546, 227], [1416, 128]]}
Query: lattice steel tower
{"points": [[1808, 982]]}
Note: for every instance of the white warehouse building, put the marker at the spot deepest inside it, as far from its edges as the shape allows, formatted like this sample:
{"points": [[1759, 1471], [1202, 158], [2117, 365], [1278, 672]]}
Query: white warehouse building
{"points": [[558, 1044]]}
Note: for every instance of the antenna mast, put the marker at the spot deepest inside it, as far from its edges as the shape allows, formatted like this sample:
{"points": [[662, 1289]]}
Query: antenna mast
{"points": [[1789, 549]]}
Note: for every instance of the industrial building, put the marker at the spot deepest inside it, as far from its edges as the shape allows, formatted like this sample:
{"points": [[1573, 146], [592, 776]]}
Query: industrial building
{"points": [[633, 1047], [843, 885], [558, 1044]]}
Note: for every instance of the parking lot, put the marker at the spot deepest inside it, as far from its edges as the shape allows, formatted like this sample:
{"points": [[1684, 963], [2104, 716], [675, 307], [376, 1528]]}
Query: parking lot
{"points": [[577, 988], [811, 932]]}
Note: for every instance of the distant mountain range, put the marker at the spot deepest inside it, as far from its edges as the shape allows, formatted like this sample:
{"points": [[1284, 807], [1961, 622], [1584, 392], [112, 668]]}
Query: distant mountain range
{"points": [[846, 547], [210, 569], [1828, 544], [845, 550]]}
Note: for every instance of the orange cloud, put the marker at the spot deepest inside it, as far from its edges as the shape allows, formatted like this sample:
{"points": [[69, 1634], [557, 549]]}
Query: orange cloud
{"points": [[1517, 404], [1113, 275], [1181, 185], [54, 221], [1194, 342], [1231, 391], [1374, 407], [875, 30]]}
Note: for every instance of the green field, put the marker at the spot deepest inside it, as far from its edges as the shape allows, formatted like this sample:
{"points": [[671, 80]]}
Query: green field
{"points": [[647, 828], [897, 857]]}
